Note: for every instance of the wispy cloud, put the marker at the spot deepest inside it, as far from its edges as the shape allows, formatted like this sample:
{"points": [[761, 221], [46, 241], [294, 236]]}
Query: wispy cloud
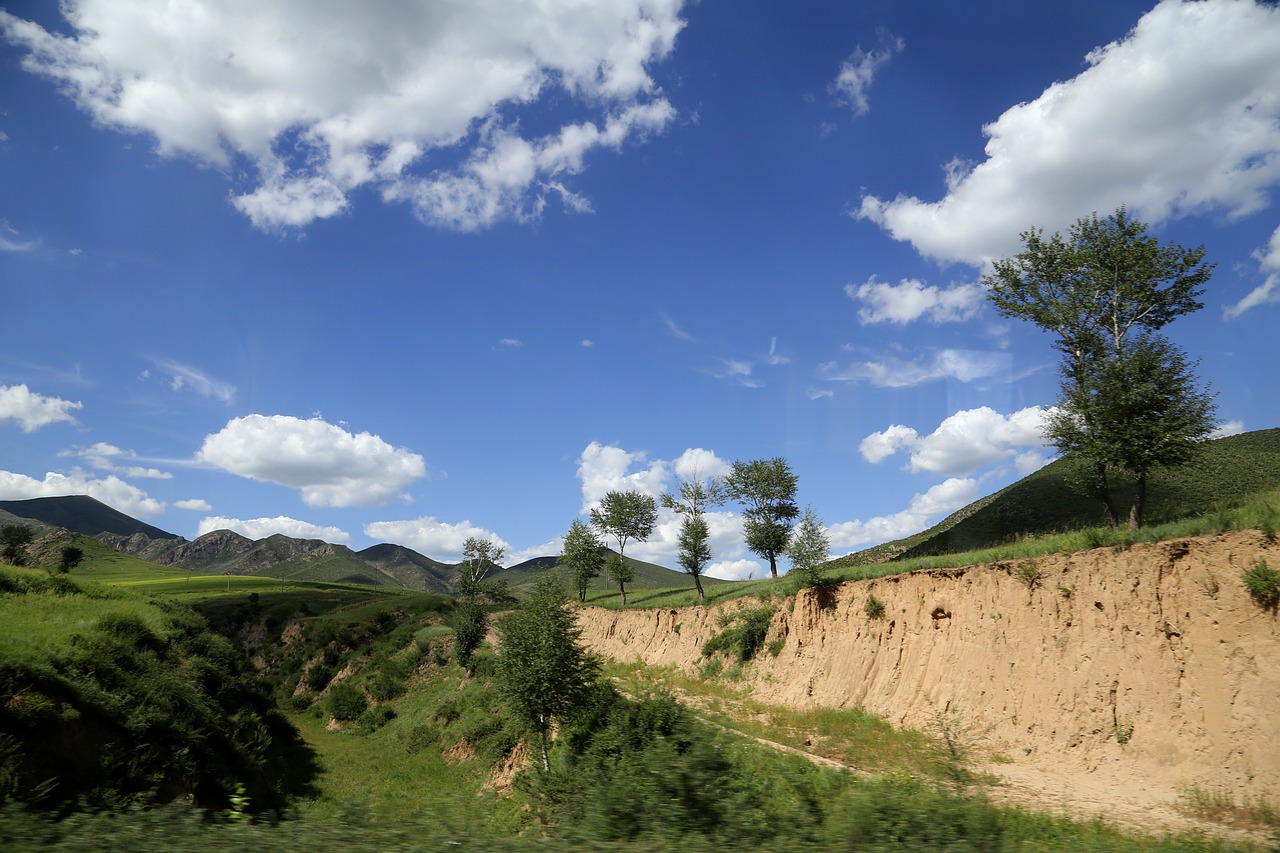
{"points": [[183, 377], [890, 372], [676, 330], [108, 457], [859, 70], [511, 342], [9, 241]]}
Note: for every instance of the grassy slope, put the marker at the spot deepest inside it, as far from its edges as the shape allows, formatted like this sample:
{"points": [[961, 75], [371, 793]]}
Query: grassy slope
{"points": [[1231, 471], [648, 576]]}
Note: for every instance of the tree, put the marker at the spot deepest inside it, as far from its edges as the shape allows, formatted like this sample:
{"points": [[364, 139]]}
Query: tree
{"points": [[15, 538], [625, 516], [767, 488], [697, 495], [583, 556], [479, 558], [1136, 414], [1100, 289], [543, 671], [470, 622], [71, 557], [809, 549]]}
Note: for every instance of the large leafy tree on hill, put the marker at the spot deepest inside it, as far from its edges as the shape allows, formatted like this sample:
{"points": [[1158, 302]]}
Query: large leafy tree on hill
{"points": [[543, 671], [767, 490], [1129, 398], [626, 516], [809, 549], [470, 622], [15, 538]]}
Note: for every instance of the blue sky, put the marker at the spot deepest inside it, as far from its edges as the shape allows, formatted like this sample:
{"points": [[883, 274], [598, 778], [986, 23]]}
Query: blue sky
{"points": [[374, 272]]}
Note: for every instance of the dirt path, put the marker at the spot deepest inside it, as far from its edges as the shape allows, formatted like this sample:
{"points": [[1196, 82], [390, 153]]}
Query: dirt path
{"points": [[1143, 809]]}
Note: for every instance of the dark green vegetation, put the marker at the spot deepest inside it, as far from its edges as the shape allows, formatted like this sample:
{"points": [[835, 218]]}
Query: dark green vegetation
{"points": [[1263, 583], [109, 700]]}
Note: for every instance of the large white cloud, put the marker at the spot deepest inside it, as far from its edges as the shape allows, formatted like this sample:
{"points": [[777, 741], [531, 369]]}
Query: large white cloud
{"points": [[964, 442], [331, 467], [261, 528], [912, 299], [415, 99], [925, 508], [1181, 116], [437, 539], [112, 491], [31, 410]]}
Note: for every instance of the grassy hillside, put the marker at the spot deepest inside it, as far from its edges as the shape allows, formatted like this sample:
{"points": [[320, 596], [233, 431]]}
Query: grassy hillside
{"points": [[647, 576], [111, 699], [1230, 472]]}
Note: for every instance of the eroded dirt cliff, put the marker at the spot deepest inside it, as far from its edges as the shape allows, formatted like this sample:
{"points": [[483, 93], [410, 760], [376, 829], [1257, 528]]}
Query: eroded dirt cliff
{"points": [[1158, 643]]}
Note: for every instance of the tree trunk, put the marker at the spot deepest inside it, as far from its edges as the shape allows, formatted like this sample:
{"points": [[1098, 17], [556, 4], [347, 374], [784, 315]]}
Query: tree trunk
{"points": [[1104, 495], [622, 588], [1139, 507], [546, 762], [697, 581], [773, 566]]}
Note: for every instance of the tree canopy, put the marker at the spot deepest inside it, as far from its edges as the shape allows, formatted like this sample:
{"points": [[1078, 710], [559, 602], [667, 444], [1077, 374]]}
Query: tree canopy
{"points": [[697, 495], [582, 556], [543, 671], [767, 490], [1129, 399], [625, 516], [809, 549]]}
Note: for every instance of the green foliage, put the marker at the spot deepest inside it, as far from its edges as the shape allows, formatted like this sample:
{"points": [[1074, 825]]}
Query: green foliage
{"points": [[874, 608], [582, 556], [347, 701], [809, 549], [543, 671], [1129, 400], [1124, 731], [70, 557], [694, 541], [1027, 573], [742, 634], [625, 516], [479, 558], [1263, 584], [767, 490], [470, 624], [143, 705], [15, 538]]}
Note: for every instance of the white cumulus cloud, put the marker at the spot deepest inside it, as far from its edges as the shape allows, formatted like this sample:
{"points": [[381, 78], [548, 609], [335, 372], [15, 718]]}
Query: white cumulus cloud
{"points": [[964, 442], [329, 465], [1181, 116], [194, 504], [911, 299], [31, 411], [413, 99], [112, 491], [431, 537], [925, 509], [261, 528]]}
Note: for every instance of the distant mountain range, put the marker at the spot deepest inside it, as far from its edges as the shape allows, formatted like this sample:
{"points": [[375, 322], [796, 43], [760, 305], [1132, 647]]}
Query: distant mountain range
{"points": [[279, 556]]}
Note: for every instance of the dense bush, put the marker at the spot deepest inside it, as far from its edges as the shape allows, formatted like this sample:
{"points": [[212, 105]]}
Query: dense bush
{"points": [[136, 711], [741, 634], [1263, 583]]}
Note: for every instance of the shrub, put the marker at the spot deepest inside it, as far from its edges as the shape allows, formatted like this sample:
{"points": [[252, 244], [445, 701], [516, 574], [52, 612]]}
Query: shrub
{"points": [[347, 701], [1263, 583], [1028, 573], [874, 608], [743, 634]]}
